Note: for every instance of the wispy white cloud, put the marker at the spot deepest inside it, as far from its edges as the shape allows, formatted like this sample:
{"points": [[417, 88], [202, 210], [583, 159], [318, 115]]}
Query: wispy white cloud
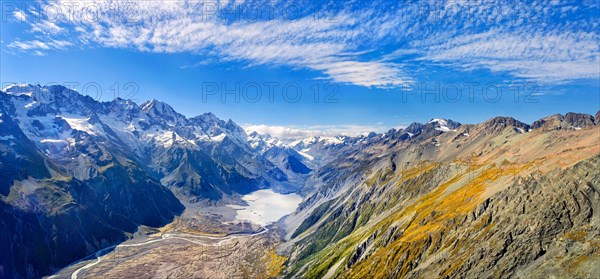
{"points": [[283, 132], [45, 27], [291, 133], [546, 41], [325, 46], [547, 57], [20, 15], [36, 46]]}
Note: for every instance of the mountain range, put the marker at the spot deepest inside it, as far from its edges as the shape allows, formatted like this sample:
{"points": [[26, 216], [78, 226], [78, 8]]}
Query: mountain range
{"points": [[440, 199], [79, 175]]}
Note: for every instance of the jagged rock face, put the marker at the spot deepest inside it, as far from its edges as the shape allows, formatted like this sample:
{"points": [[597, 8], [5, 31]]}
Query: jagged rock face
{"points": [[500, 123], [318, 151], [487, 200], [579, 120], [568, 121], [414, 128], [158, 109], [20, 158], [293, 164], [597, 118], [553, 122], [418, 132]]}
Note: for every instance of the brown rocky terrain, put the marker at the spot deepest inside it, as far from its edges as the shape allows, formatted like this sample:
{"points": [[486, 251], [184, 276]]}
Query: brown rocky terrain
{"points": [[179, 250], [492, 200]]}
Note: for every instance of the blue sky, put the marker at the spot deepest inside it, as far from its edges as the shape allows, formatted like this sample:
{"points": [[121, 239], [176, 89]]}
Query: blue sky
{"points": [[375, 65]]}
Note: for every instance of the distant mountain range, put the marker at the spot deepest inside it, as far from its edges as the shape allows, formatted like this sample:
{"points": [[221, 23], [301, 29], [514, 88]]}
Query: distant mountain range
{"points": [[79, 175]]}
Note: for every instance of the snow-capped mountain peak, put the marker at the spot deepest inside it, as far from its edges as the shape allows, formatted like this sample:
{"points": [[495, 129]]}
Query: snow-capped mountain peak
{"points": [[21, 89], [45, 94], [440, 121], [162, 110], [264, 142], [444, 125]]}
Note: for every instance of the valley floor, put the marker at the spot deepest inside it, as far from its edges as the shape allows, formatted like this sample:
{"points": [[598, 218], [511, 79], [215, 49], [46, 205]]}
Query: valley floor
{"points": [[185, 249]]}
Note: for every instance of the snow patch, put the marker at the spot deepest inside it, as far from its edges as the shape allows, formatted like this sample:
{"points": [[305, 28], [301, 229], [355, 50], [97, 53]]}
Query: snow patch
{"points": [[166, 139], [218, 138], [306, 155], [442, 122], [53, 141], [81, 124], [443, 125], [332, 140]]}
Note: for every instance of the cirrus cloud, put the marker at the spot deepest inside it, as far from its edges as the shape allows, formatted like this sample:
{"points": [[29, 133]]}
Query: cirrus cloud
{"points": [[354, 43], [291, 133]]}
